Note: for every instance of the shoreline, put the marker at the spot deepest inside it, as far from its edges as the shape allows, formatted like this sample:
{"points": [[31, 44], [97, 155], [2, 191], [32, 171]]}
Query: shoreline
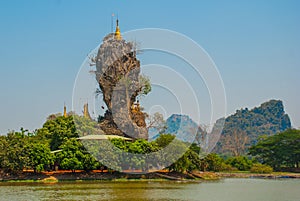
{"points": [[54, 177], [274, 175]]}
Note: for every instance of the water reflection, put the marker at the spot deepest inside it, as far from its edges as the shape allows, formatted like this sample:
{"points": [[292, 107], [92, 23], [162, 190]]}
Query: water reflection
{"points": [[228, 189]]}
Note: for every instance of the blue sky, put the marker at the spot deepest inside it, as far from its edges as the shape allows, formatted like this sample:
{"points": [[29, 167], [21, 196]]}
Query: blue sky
{"points": [[255, 45]]}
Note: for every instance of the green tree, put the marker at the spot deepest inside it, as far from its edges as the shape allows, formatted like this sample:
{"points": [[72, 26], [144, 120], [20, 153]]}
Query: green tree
{"points": [[188, 162], [75, 157], [13, 154], [164, 139], [71, 156], [134, 155], [90, 163], [240, 162], [145, 84], [58, 130], [40, 156], [212, 162], [280, 150], [260, 168], [3, 147]]}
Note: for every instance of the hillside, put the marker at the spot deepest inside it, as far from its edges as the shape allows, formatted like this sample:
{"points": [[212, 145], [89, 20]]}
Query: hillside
{"points": [[245, 127], [240, 131], [180, 125]]}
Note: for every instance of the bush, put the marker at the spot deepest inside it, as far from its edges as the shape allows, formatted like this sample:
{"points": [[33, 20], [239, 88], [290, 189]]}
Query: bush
{"points": [[213, 162], [228, 168], [242, 163], [260, 168]]}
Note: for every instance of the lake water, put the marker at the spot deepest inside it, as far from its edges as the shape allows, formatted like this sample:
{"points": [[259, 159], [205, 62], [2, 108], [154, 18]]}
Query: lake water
{"points": [[223, 190]]}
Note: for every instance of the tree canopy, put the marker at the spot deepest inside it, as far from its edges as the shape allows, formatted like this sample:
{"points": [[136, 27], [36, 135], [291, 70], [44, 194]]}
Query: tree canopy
{"points": [[280, 150], [57, 143]]}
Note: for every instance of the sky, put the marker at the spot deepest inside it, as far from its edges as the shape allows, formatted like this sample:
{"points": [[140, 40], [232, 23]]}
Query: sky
{"points": [[254, 44]]}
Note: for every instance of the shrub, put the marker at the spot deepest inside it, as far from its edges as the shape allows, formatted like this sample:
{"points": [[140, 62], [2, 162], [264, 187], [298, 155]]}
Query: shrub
{"points": [[240, 162], [227, 168], [213, 162], [260, 168]]}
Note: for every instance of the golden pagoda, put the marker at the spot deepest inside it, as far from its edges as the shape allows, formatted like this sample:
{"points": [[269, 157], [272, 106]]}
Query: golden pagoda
{"points": [[65, 111], [118, 32], [86, 113]]}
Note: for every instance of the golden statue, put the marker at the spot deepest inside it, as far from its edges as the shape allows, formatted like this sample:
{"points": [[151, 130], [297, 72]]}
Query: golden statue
{"points": [[135, 108]]}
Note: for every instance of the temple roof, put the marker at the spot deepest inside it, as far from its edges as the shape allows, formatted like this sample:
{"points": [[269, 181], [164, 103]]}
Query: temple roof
{"points": [[103, 137]]}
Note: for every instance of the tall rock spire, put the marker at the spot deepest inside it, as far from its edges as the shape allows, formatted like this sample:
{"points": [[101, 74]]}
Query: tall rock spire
{"points": [[118, 73]]}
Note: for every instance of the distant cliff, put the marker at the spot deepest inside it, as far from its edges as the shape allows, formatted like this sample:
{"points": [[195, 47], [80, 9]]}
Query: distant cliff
{"points": [[180, 125], [240, 131], [245, 127]]}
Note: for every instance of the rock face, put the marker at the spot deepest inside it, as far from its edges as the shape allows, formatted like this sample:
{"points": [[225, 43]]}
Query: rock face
{"points": [[245, 127], [184, 128], [238, 131], [117, 72]]}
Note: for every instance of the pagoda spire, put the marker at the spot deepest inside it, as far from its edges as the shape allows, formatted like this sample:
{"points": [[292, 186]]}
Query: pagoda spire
{"points": [[86, 113], [118, 32], [65, 111]]}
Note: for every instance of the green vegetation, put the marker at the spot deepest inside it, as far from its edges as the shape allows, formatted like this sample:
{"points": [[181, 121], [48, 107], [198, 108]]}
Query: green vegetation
{"points": [[240, 162], [39, 156], [32, 150], [56, 145], [260, 168], [144, 84], [213, 162], [56, 130], [21, 150], [244, 128], [74, 157], [241, 130], [280, 150]]}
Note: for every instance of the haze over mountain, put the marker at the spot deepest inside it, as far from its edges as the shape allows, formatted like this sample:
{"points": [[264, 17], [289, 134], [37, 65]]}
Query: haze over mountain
{"points": [[180, 125]]}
